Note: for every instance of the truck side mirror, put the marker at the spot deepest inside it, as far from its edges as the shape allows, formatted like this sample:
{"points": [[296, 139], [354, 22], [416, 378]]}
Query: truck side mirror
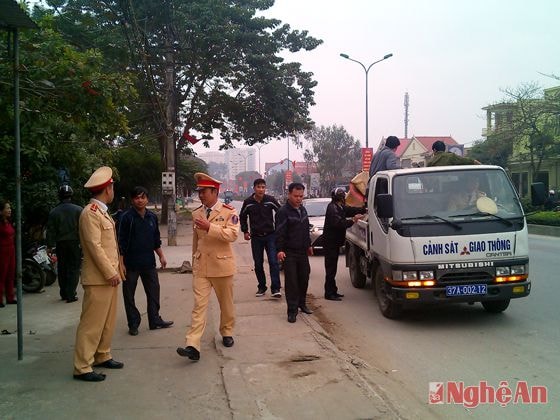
{"points": [[384, 205], [538, 194]]}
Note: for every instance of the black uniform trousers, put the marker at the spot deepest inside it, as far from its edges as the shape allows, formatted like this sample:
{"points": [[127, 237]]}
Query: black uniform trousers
{"points": [[69, 262], [150, 281], [296, 280], [331, 265]]}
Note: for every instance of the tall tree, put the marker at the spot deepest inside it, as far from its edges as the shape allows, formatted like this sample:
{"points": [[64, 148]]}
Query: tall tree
{"points": [[210, 67], [334, 150], [72, 109], [535, 124]]}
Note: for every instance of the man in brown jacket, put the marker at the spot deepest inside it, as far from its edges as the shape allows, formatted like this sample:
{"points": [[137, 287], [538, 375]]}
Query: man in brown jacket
{"points": [[101, 274], [216, 226]]}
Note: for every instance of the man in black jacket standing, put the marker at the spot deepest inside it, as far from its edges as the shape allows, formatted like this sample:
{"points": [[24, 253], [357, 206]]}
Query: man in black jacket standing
{"points": [[294, 247], [62, 232], [338, 218], [260, 209]]}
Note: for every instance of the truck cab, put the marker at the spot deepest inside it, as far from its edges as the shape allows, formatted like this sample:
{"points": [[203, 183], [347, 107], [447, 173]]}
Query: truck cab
{"points": [[441, 234]]}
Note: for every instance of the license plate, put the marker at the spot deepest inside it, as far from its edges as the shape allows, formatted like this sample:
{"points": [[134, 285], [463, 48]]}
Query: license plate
{"points": [[466, 290], [41, 256]]}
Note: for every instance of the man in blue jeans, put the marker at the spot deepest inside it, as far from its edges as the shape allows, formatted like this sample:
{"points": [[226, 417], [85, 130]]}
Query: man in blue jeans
{"points": [[259, 208], [139, 239]]}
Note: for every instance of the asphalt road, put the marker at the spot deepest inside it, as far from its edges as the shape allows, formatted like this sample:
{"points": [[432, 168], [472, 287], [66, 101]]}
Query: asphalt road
{"points": [[453, 343]]}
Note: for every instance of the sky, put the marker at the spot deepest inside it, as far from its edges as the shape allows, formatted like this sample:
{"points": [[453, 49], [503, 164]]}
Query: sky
{"points": [[453, 57]]}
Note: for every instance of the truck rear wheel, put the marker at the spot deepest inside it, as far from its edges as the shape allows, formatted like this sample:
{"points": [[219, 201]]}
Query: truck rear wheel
{"points": [[387, 306], [357, 278], [495, 306]]}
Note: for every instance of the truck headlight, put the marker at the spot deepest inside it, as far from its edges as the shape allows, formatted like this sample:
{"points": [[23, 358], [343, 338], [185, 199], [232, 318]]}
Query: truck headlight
{"points": [[518, 269], [503, 271], [426, 275], [409, 275]]}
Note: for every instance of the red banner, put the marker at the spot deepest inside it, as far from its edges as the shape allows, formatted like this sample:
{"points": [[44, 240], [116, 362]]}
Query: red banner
{"points": [[367, 156]]}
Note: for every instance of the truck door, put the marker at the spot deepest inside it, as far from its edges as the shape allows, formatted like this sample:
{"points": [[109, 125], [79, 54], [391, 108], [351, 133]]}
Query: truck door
{"points": [[378, 226]]}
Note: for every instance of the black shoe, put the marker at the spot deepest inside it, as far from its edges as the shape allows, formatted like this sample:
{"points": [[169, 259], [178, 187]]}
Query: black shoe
{"points": [[133, 330], [110, 364], [12, 302], [339, 294], [227, 341], [306, 310], [333, 297], [73, 299], [90, 377], [161, 324], [276, 294], [2, 304], [292, 318], [260, 292], [189, 352]]}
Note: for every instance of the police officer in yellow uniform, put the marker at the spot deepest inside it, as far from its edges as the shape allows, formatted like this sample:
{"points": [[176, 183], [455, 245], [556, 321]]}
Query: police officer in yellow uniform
{"points": [[216, 226], [101, 275]]}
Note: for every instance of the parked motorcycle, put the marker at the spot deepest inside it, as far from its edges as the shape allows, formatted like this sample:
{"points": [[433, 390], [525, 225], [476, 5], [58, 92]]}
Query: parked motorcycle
{"points": [[38, 269]]}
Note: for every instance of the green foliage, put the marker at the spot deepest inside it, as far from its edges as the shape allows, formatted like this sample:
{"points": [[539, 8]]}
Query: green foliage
{"points": [[495, 150], [228, 76], [137, 164], [548, 218], [535, 126], [335, 152], [72, 109], [187, 166]]}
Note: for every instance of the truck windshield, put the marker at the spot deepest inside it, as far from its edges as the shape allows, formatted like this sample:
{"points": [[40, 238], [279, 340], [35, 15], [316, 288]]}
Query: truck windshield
{"points": [[455, 196]]}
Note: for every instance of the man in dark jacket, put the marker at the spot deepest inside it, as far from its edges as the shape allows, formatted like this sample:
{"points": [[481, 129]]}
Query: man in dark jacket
{"points": [[294, 246], [386, 157], [338, 218], [62, 232], [139, 238], [260, 209], [442, 158]]}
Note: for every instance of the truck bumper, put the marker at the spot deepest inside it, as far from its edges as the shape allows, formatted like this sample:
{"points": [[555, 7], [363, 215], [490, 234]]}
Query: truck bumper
{"points": [[437, 294]]}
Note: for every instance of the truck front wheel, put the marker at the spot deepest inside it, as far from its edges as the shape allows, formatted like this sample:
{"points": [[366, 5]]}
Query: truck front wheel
{"points": [[387, 306], [495, 306], [357, 278]]}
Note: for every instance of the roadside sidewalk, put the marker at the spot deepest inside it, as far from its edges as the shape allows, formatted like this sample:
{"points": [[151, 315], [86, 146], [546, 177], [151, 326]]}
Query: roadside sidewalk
{"points": [[275, 370]]}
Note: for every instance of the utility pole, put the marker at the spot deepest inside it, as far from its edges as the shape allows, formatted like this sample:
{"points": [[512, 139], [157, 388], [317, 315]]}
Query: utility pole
{"points": [[406, 115], [170, 113]]}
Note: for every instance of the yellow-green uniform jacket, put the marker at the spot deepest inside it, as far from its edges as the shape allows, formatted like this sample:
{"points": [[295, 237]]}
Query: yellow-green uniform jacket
{"points": [[99, 246], [212, 250]]}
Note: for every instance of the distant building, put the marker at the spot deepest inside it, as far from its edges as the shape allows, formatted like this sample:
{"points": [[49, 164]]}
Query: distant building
{"points": [[240, 160], [500, 121], [216, 157]]}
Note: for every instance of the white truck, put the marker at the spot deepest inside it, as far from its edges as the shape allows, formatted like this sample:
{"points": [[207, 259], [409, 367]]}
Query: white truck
{"points": [[438, 235]]}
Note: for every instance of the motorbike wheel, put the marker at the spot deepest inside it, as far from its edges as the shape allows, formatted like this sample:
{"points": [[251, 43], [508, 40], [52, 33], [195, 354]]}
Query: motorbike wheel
{"points": [[50, 277], [32, 276]]}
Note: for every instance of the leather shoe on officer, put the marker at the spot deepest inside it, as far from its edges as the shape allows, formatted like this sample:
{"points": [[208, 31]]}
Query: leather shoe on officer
{"points": [[90, 377], [227, 341], [110, 364], [189, 352], [306, 310], [292, 318], [161, 324], [333, 297]]}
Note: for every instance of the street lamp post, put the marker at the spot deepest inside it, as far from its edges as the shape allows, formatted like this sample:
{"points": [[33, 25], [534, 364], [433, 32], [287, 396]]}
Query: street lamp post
{"points": [[259, 146], [385, 57]]}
